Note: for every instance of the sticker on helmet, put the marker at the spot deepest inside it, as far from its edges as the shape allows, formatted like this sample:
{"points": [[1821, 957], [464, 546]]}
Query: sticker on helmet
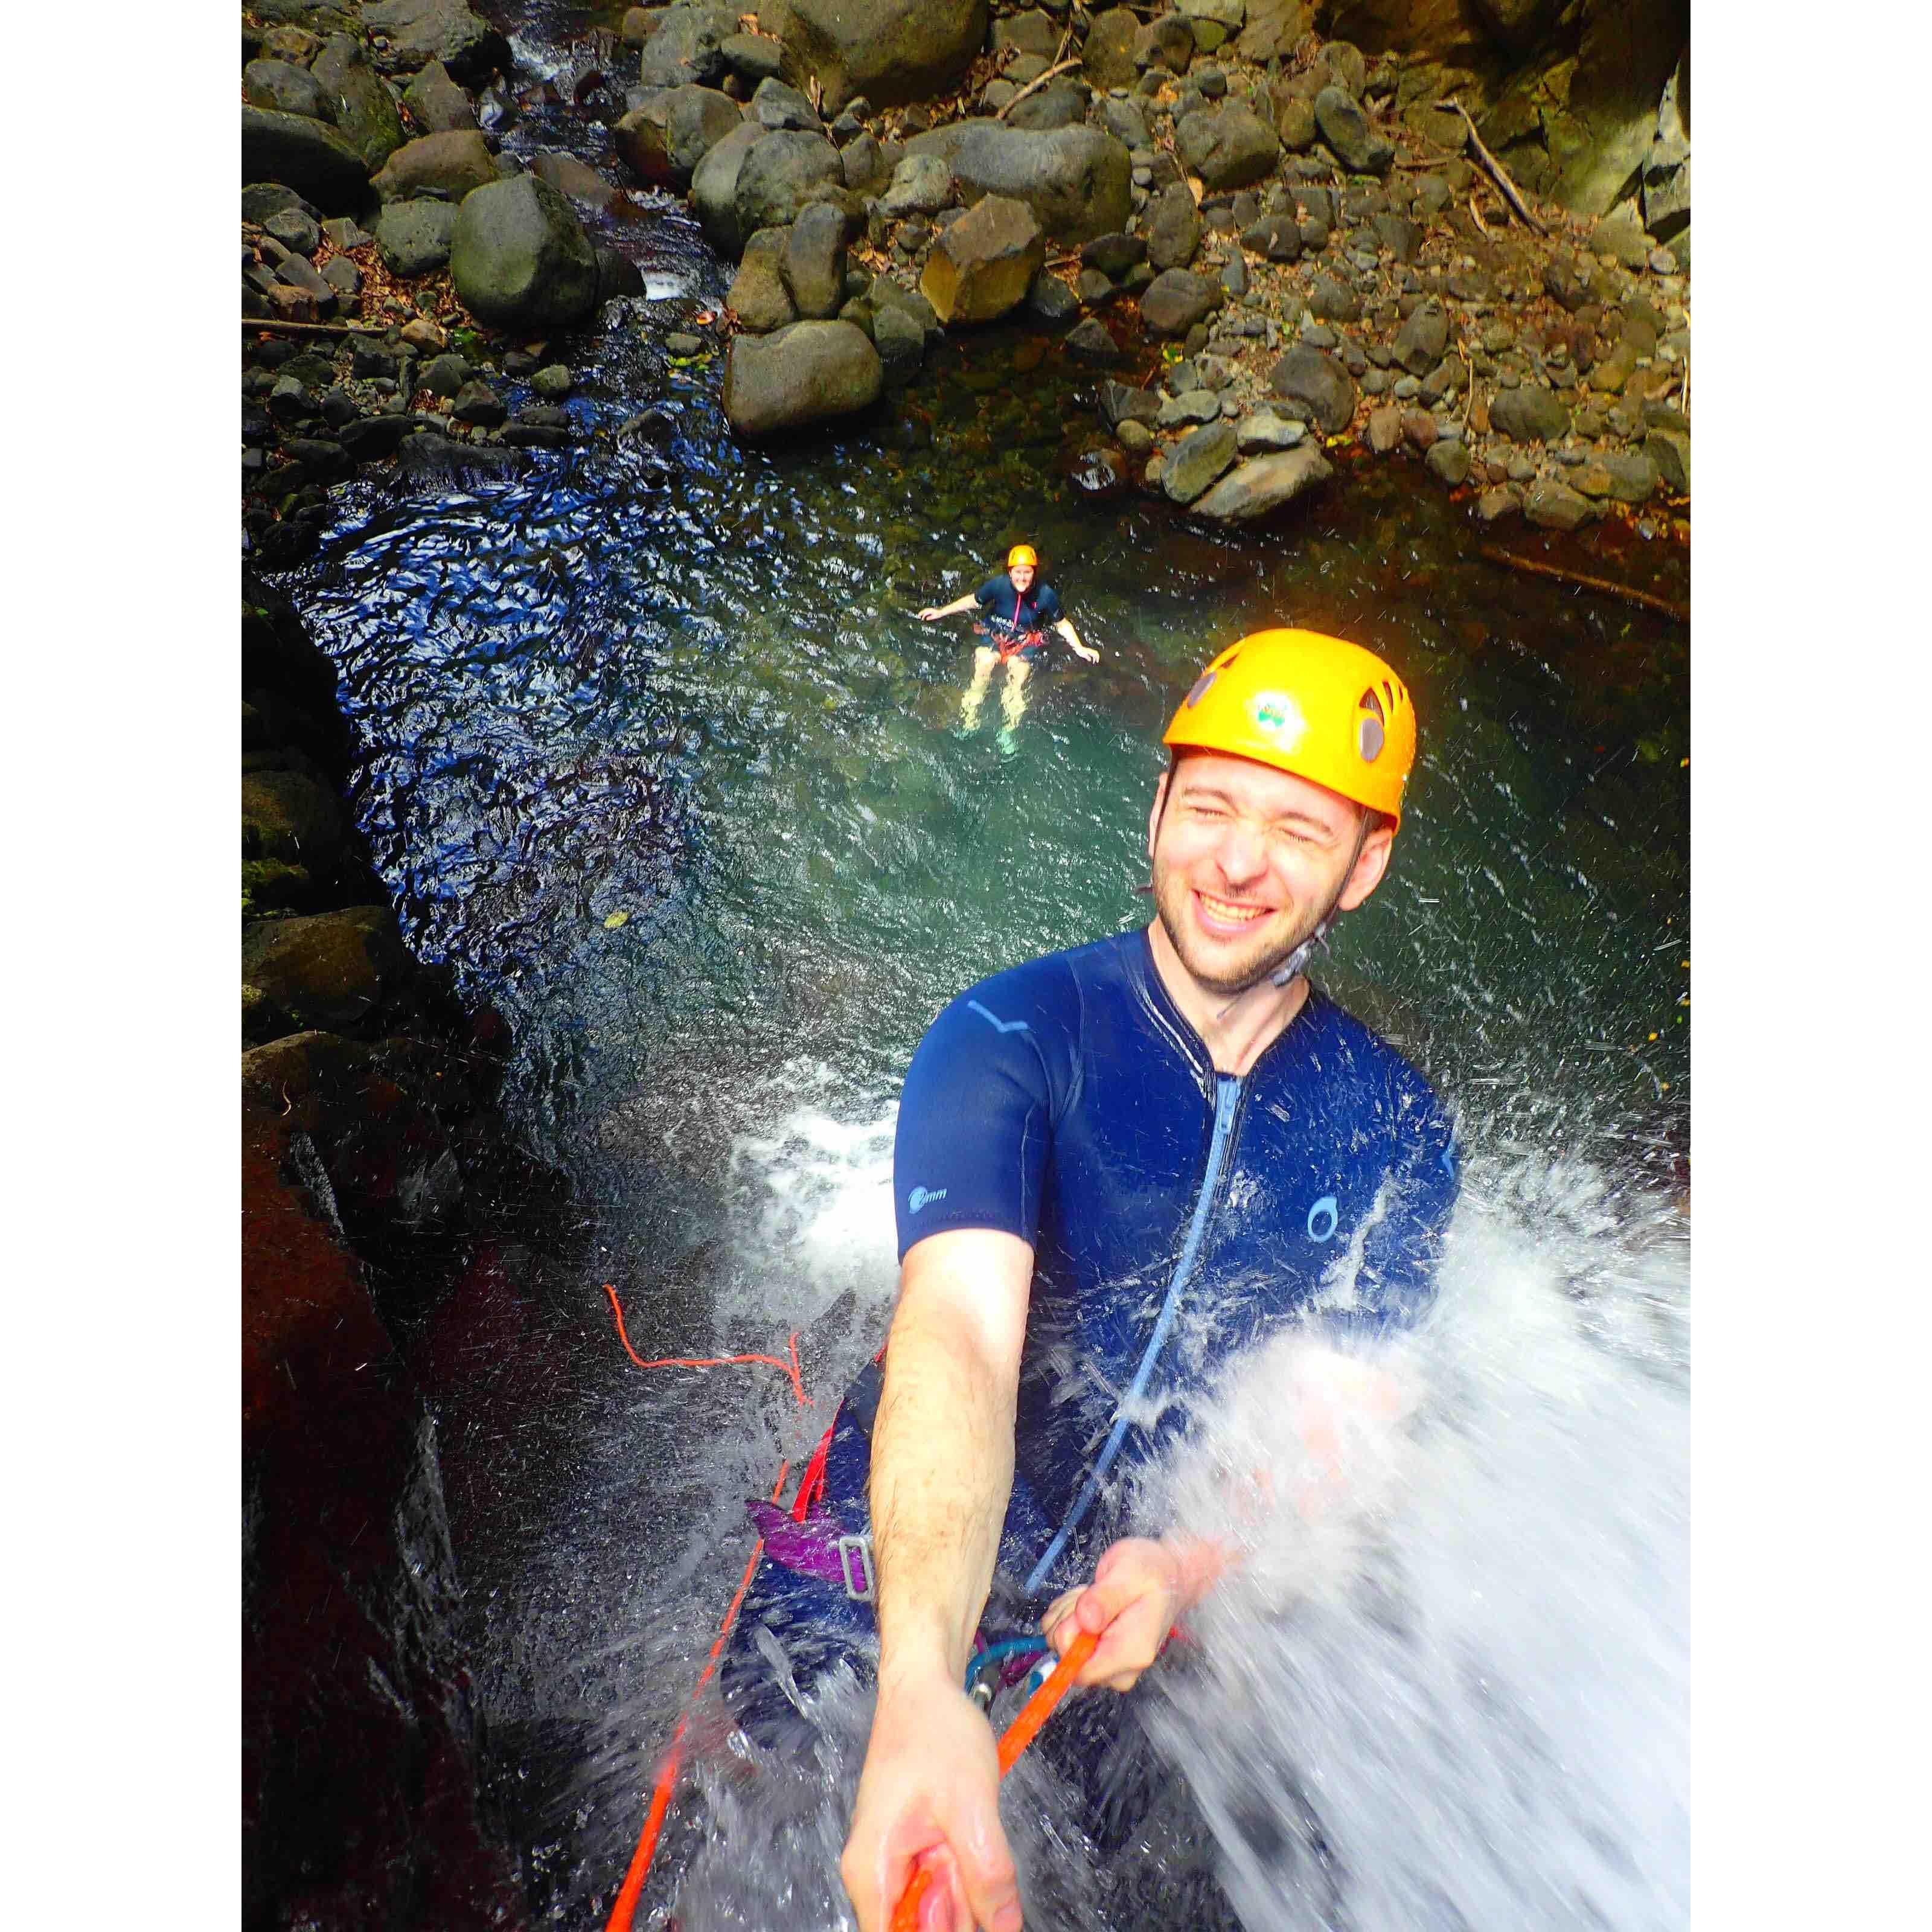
{"points": [[1275, 715]]}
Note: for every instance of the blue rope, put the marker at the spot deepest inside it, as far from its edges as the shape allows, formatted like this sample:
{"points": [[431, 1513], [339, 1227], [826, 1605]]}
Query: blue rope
{"points": [[1227, 1088], [995, 1652]]}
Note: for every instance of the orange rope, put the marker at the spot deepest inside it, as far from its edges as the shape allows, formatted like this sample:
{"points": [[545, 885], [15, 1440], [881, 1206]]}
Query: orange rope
{"points": [[790, 1367], [632, 1888], [1021, 1733]]}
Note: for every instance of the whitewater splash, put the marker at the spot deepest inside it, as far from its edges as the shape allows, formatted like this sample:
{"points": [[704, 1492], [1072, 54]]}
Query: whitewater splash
{"points": [[1449, 1690]]}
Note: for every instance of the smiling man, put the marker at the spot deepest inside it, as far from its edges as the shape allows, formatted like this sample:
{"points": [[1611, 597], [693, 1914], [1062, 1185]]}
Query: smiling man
{"points": [[1117, 1168]]}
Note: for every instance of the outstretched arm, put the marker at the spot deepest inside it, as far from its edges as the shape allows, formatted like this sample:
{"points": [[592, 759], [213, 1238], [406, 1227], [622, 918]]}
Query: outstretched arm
{"points": [[942, 1472], [955, 608], [1065, 628]]}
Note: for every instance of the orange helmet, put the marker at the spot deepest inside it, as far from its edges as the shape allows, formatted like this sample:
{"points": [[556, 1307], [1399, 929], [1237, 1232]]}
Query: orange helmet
{"points": [[1320, 707], [1022, 554]]}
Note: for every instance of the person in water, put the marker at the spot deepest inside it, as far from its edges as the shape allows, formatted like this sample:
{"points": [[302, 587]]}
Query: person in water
{"points": [[1117, 1168], [1016, 611]]}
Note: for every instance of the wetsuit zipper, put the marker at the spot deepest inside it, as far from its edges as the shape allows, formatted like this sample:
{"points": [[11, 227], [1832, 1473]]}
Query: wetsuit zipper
{"points": [[1228, 1095]]}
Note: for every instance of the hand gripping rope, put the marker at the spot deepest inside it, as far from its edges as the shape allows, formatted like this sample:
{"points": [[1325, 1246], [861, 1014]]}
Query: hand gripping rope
{"points": [[1021, 1733]]}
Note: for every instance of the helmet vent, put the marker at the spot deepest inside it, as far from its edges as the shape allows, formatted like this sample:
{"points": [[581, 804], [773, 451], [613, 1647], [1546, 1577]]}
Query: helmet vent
{"points": [[1369, 735]]}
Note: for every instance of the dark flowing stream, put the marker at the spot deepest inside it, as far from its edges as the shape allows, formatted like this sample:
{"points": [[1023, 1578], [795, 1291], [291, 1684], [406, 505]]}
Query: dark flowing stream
{"points": [[654, 752]]}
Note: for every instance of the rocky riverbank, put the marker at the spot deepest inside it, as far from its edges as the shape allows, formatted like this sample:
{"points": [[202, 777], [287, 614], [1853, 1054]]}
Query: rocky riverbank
{"points": [[1267, 246]]}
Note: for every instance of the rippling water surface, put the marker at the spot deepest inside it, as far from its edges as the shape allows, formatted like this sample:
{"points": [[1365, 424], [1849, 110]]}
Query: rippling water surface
{"points": [[656, 754]]}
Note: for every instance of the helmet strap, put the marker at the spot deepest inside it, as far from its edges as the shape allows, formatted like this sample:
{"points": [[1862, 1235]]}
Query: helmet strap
{"points": [[1298, 959]]}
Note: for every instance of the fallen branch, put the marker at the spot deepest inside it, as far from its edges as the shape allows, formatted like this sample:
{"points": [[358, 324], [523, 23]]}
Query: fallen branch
{"points": [[1495, 170], [1033, 86], [1649, 600], [310, 327]]}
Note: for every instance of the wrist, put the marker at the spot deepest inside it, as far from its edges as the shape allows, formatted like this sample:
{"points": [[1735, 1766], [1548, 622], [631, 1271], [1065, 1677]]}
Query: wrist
{"points": [[1198, 1565]]}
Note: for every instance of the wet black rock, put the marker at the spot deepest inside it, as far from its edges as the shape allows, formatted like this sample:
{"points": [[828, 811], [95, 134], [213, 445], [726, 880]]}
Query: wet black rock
{"points": [[1050, 301], [1090, 341], [900, 342], [420, 31], [305, 154]]}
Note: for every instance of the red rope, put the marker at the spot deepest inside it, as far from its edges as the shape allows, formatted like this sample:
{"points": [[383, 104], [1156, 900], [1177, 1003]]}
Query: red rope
{"points": [[632, 1888], [790, 1366]]}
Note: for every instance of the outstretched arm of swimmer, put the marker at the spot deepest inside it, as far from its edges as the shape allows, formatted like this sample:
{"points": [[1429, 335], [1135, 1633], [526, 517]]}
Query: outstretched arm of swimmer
{"points": [[1065, 628], [957, 608], [942, 1474]]}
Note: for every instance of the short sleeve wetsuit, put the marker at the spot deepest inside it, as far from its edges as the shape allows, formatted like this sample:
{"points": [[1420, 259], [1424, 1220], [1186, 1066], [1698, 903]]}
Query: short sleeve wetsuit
{"points": [[1016, 625], [1177, 1215]]}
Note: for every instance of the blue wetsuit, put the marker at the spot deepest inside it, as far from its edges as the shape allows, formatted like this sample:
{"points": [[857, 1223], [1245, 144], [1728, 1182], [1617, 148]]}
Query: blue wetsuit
{"points": [[1016, 625], [1177, 1216]]}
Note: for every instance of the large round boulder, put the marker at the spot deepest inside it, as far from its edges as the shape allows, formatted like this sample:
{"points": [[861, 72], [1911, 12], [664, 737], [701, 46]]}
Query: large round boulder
{"points": [[283, 88], [1311, 375], [331, 970], [519, 257], [688, 48], [361, 104], [1345, 128], [420, 31], [303, 154], [807, 373], [455, 165], [1175, 300], [1264, 483], [1077, 181], [714, 188], [890, 51], [982, 265], [1227, 147], [779, 175], [664, 140], [814, 262], [1107, 58]]}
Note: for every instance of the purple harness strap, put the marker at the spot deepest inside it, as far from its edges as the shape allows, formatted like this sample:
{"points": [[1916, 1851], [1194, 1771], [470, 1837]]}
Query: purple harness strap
{"points": [[816, 1547]]}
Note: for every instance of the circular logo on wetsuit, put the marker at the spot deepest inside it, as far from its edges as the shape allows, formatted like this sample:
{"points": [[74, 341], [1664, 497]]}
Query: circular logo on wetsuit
{"points": [[1276, 716]]}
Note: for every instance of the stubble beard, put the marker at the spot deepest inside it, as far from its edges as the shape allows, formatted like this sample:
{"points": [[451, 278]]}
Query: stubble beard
{"points": [[1170, 897]]}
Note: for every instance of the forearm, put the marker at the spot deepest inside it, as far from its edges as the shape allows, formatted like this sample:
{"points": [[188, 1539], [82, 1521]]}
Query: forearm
{"points": [[942, 1472], [958, 607], [1064, 625]]}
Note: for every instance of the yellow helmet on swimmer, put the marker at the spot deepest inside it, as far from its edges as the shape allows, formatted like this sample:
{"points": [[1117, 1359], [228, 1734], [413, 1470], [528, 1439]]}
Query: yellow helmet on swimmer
{"points": [[1022, 554], [1320, 707]]}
